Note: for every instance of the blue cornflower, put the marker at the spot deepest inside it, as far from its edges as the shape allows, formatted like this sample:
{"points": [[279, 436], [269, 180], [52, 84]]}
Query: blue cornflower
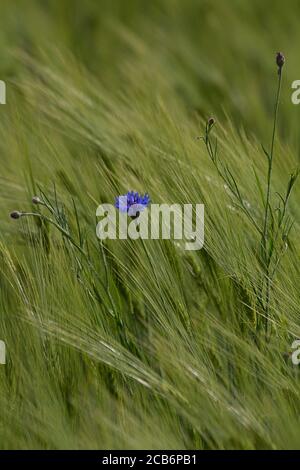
{"points": [[125, 202]]}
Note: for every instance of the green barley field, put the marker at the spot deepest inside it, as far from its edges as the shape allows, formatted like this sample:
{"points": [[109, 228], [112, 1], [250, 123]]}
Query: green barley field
{"points": [[142, 344]]}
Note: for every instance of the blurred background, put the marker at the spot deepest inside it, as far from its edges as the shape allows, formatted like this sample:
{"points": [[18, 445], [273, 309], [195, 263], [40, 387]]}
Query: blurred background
{"points": [[214, 55]]}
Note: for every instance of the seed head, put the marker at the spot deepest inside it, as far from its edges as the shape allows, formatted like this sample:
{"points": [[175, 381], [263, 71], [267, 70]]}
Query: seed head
{"points": [[280, 59], [16, 214]]}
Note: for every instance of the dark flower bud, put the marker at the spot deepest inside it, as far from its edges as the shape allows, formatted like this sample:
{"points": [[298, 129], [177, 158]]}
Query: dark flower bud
{"points": [[36, 200], [16, 214], [280, 59], [211, 122]]}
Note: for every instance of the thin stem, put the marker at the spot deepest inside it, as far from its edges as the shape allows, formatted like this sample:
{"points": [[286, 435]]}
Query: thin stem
{"points": [[62, 230], [236, 192], [264, 240], [80, 249], [270, 165]]}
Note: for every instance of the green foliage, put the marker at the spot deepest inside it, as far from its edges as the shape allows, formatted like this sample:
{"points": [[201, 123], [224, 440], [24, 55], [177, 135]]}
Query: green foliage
{"points": [[125, 344]]}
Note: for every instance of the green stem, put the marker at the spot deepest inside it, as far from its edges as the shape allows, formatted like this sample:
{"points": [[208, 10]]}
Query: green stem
{"points": [[78, 247], [264, 240], [270, 166]]}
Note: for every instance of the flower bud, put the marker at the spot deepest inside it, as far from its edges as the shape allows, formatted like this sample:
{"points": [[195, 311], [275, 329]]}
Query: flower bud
{"points": [[36, 200], [280, 59], [16, 214], [211, 122]]}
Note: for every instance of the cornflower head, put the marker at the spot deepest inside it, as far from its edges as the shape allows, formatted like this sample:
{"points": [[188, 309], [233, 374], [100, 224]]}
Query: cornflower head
{"points": [[132, 203]]}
